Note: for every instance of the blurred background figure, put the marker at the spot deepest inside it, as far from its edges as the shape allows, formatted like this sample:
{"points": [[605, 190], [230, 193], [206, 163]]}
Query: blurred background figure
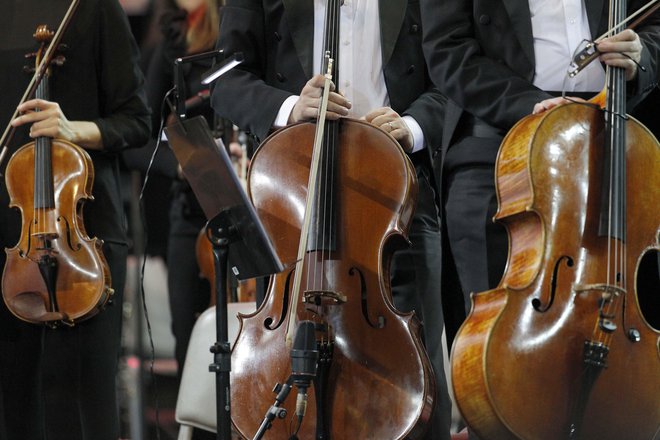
{"points": [[186, 27], [60, 383]]}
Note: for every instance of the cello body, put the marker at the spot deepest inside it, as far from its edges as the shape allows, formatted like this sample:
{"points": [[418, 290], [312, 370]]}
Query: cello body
{"points": [[374, 378], [519, 361]]}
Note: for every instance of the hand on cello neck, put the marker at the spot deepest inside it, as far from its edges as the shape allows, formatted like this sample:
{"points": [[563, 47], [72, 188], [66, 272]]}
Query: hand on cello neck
{"points": [[307, 106]]}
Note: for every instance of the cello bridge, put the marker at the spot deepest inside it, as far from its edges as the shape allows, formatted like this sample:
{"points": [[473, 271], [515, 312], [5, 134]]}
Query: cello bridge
{"points": [[323, 297], [609, 291]]}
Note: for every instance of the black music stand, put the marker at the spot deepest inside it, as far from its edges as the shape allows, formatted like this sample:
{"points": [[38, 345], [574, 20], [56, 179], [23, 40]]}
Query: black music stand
{"points": [[234, 229]]}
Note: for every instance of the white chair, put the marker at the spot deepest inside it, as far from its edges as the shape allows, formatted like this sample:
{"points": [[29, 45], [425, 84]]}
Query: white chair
{"points": [[196, 402]]}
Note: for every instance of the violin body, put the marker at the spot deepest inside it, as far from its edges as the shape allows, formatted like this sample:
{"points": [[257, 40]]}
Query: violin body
{"points": [[81, 277], [374, 378], [519, 361]]}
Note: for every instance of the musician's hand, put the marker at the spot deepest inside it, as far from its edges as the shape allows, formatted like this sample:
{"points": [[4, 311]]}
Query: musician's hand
{"points": [[235, 150], [622, 50], [389, 121], [309, 102], [547, 104], [50, 121]]}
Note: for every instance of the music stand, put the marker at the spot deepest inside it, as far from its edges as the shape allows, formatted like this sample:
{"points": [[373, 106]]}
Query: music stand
{"points": [[234, 229]]}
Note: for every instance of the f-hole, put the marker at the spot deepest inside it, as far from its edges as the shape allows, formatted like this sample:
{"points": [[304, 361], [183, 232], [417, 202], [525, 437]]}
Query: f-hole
{"points": [[648, 292], [536, 302]]}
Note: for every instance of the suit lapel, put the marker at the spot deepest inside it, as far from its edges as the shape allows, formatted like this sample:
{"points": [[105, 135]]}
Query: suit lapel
{"points": [[300, 16], [521, 20], [391, 14], [594, 14]]}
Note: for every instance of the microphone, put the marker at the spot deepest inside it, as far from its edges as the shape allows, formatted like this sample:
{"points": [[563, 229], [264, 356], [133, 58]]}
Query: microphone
{"points": [[304, 357]]}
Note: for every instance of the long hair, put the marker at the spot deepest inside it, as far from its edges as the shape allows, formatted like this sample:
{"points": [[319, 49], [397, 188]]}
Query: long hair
{"points": [[203, 30]]}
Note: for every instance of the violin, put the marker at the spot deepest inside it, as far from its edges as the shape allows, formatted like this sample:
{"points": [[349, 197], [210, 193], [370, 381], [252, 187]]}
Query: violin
{"points": [[567, 346], [56, 274], [336, 216]]}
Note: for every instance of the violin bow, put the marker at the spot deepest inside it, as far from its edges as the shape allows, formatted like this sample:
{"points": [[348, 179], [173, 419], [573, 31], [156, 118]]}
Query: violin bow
{"points": [[39, 73]]}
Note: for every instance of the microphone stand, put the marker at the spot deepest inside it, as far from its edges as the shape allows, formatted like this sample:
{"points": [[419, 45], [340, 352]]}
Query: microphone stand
{"points": [[275, 410], [220, 239]]}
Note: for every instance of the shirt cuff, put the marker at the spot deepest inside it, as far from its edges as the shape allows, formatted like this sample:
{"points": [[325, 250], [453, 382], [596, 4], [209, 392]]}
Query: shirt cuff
{"points": [[417, 133], [282, 117]]}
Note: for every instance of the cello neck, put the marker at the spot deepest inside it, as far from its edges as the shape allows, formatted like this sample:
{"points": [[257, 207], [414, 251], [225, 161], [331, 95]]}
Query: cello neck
{"points": [[322, 231], [613, 207], [319, 229]]}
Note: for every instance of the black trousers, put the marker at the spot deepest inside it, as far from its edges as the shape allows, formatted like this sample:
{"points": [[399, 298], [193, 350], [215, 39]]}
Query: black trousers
{"points": [[415, 282], [189, 294], [61, 383], [475, 248]]}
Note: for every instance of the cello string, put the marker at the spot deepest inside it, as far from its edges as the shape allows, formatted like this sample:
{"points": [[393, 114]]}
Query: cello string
{"points": [[618, 27], [313, 269], [325, 207], [619, 269], [605, 306], [616, 275], [333, 140], [312, 185]]}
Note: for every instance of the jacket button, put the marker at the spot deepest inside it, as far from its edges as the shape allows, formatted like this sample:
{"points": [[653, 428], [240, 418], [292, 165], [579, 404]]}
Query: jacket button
{"points": [[411, 69], [278, 37], [484, 19], [280, 77], [414, 29]]}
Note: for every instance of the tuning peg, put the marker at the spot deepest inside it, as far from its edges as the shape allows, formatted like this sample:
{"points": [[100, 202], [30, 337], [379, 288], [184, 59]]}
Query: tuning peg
{"points": [[59, 60]]}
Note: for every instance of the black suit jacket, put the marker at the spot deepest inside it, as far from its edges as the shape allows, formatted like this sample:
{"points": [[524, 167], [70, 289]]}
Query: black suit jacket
{"points": [[276, 38], [481, 56]]}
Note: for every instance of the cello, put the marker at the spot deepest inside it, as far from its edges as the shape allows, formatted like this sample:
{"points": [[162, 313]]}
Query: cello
{"points": [[567, 346], [55, 274], [336, 215]]}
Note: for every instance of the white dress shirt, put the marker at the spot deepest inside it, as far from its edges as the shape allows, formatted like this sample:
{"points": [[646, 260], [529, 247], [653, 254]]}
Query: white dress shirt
{"points": [[559, 27], [360, 68]]}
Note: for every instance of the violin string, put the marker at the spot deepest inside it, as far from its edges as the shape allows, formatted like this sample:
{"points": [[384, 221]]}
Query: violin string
{"points": [[39, 214]]}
